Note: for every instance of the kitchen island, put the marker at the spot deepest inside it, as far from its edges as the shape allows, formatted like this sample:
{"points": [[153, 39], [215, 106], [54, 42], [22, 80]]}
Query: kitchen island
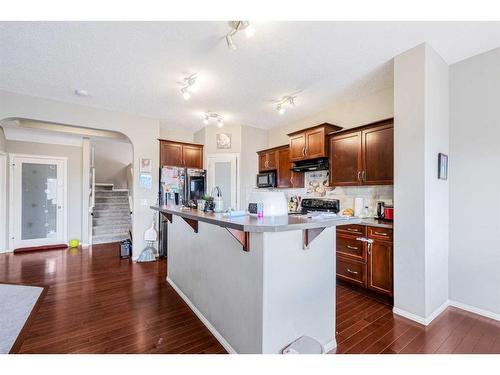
{"points": [[257, 284]]}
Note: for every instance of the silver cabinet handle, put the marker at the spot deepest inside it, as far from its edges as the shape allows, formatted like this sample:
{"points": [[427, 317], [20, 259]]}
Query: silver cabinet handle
{"points": [[352, 230], [363, 176], [359, 175], [353, 272], [369, 248], [380, 233], [304, 151], [352, 247]]}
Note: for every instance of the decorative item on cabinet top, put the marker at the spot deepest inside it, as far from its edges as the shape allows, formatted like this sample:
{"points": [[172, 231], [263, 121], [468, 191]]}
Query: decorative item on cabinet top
{"points": [[311, 143], [181, 154]]}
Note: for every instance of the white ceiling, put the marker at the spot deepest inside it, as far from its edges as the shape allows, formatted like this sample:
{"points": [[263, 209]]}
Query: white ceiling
{"points": [[136, 66]]}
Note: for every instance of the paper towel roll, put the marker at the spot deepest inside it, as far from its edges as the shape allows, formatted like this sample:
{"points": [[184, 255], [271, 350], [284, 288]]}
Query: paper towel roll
{"points": [[358, 206]]}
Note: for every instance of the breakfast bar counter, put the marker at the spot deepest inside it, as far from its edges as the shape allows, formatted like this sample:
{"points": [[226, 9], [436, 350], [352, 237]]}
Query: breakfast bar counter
{"points": [[257, 284]]}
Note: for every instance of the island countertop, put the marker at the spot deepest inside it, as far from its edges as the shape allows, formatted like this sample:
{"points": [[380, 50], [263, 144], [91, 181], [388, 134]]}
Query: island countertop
{"points": [[253, 224]]}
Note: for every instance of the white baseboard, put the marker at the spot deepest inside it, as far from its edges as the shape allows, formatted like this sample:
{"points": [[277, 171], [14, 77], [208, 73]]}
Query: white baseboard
{"points": [[409, 315], [204, 320], [475, 310], [419, 319], [329, 346]]}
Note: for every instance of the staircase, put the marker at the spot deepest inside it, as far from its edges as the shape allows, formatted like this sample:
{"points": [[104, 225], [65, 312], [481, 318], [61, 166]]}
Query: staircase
{"points": [[111, 220]]}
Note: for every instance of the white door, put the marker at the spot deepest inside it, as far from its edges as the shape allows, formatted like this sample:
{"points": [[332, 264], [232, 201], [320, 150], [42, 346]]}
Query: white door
{"points": [[38, 205], [223, 172]]}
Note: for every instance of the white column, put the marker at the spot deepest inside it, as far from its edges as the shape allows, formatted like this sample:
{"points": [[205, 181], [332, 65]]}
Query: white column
{"points": [[421, 131]]}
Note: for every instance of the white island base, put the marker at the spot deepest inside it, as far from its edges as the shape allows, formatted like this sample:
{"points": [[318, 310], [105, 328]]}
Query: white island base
{"points": [[261, 300]]}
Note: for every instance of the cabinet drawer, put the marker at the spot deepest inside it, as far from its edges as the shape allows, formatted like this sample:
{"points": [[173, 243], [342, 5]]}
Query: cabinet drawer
{"points": [[350, 247], [355, 229], [380, 233], [351, 271]]}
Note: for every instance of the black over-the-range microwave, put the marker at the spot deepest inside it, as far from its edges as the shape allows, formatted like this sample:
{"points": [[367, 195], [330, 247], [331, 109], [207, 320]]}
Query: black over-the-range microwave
{"points": [[266, 179]]}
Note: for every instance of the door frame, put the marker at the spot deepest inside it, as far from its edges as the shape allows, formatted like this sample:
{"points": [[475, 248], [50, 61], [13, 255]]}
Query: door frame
{"points": [[3, 202], [238, 177], [64, 160]]}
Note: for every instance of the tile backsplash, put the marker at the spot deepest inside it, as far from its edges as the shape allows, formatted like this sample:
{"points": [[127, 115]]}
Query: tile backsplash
{"points": [[346, 194]]}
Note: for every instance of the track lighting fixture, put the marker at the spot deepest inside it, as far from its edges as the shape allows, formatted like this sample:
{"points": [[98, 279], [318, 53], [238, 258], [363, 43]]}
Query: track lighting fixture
{"points": [[189, 85], [285, 100], [213, 116], [239, 26]]}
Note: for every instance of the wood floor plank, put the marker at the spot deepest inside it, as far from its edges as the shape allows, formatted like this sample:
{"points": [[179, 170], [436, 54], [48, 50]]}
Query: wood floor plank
{"points": [[99, 303]]}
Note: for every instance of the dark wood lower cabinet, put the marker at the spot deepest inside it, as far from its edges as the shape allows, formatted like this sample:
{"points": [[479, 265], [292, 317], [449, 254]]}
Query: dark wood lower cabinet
{"points": [[365, 260], [380, 267]]}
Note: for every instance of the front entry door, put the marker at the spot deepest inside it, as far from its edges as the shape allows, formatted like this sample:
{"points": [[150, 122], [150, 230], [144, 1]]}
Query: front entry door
{"points": [[38, 205]]}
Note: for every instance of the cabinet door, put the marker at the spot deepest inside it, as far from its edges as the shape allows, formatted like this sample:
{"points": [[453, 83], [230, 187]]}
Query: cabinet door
{"points": [[170, 154], [297, 147], [272, 160], [345, 159], [378, 155], [380, 267], [315, 144], [284, 166], [262, 162], [192, 156]]}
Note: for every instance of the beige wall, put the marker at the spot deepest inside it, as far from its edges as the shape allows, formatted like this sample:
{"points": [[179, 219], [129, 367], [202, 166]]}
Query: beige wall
{"points": [[111, 161], [179, 135], [143, 133], [345, 113], [74, 155]]}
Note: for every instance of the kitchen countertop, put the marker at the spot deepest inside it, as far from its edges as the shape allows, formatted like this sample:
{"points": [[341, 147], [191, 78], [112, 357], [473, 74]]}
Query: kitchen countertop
{"points": [[252, 224], [372, 222]]}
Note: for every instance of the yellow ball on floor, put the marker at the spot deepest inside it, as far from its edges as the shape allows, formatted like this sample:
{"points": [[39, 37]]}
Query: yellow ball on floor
{"points": [[74, 243]]}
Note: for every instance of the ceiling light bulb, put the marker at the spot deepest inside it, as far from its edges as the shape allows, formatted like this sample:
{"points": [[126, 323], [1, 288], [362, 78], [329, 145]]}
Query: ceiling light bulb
{"points": [[185, 94], [281, 110], [220, 124], [250, 31], [205, 120]]}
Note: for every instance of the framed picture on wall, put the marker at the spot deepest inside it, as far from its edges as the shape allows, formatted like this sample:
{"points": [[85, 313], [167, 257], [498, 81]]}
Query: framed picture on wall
{"points": [[442, 166], [223, 140], [145, 165]]}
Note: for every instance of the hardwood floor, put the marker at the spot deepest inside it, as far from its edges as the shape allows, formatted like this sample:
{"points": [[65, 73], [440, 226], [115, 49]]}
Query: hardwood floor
{"points": [[367, 326], [99, 303]]}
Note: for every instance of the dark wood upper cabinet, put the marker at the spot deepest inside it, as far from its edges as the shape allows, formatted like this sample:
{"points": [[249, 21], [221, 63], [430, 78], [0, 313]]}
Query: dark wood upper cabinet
{"points": [[170, 154], [278, 159], [378, 155], [297, 147], [345, 159], [178, 154], [363, 156], [311, 143], [380, 266], [192, 156], [268, 160], [286, 177]]}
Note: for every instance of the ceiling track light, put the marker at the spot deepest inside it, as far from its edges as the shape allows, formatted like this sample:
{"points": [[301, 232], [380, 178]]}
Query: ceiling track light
{"points": [[208, 116], [189, 85], [237, 26], [285, 100]]}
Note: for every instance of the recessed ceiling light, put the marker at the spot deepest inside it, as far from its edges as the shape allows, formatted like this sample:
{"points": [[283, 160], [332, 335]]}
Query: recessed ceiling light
{"points": [[82, 93]]}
